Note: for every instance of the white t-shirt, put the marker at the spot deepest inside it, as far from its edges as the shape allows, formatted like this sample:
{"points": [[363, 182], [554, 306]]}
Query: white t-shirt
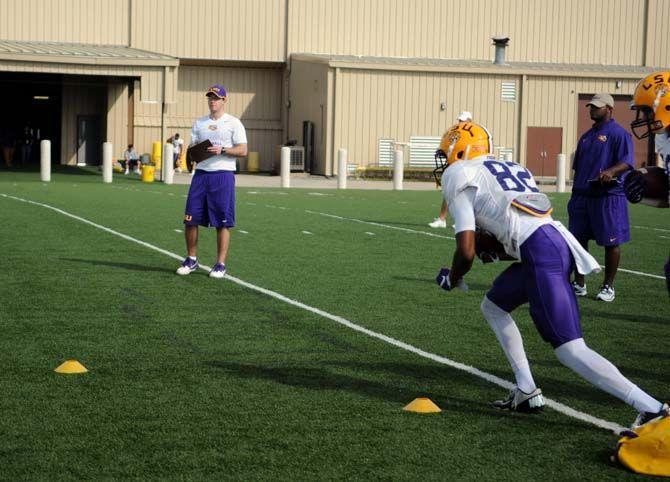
{"points": [[480, 194], [177, 143], [227, 131]]}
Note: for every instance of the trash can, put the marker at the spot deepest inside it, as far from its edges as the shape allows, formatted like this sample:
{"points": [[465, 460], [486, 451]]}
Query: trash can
{"points": [[148, 173], [252, 162]]}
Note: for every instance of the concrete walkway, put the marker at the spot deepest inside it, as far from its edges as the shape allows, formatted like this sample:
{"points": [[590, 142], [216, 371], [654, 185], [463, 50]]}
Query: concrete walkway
{"points": [[308, 181]]}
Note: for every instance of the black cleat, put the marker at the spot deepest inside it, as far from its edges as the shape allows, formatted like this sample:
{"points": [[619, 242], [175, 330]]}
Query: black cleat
{"points": [[649, 417]]}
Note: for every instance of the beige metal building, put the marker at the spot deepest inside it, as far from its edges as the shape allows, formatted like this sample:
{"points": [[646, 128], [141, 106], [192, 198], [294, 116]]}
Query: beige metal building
{"points": [[366, 73]]}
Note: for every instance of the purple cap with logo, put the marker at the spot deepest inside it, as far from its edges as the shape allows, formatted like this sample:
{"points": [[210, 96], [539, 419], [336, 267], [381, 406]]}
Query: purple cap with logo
{"points": [[217, 90]]}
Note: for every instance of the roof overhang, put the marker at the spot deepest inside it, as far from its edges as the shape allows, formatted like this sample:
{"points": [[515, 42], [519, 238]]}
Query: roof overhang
{"points": [[484, 67], [157, 72]]}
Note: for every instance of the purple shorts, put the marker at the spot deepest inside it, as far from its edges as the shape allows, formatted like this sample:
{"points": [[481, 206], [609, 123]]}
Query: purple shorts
{"points": [[604, 219], [542, 279], [211, 199]]}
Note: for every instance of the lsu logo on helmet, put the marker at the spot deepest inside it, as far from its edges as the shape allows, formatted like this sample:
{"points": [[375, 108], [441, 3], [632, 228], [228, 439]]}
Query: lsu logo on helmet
{"points": [[462, 142], [651, 101]]}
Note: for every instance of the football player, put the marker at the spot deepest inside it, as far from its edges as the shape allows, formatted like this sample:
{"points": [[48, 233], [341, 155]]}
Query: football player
{"points": [[651, 101], [503, 199]]}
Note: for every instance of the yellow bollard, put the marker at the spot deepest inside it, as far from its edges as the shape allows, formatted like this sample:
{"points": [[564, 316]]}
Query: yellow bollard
{"points": [[182, 159], [156, 153], [147, 173], [252, 162]]}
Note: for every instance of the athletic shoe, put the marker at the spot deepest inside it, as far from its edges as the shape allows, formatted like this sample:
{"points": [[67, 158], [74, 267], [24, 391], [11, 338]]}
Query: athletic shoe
{"points": [[649, 417], [578, 289], [126, 172], [187, 267], [438, 223], [519, 401], [137, 171], [218, 271], [606, 294]]}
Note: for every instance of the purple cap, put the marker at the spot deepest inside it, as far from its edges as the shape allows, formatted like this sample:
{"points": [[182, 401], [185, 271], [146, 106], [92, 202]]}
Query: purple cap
{"points": [[217, 90]]}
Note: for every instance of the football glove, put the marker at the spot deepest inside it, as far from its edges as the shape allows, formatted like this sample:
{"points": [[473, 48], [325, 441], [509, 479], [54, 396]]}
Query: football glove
{"points": [[633, 186]]}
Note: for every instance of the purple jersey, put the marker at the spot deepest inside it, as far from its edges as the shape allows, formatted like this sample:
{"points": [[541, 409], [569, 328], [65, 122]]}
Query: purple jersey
{"points": [[598, 149]]}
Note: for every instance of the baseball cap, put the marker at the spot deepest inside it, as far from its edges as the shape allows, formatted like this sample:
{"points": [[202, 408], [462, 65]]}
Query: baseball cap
{"points": [[601, 100], [217, 90], [464, 116]]}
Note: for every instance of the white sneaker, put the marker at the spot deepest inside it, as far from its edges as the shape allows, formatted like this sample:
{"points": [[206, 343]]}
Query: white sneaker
{"points": [[438, 223], [126, 172], [137, 171], [606, 294], [519, 401], [218, 271], [579, 289]]}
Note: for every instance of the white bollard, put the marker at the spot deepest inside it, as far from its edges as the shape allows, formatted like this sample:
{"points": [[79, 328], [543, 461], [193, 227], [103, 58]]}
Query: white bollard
{"points": [[398, 170], [45, 160], [285, 167], [107, 162], [560, 173], [168, 163], [341, 168]]}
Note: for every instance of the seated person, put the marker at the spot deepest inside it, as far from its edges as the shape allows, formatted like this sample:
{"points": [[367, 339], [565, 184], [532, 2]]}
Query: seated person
{"points": [[132, 159]]}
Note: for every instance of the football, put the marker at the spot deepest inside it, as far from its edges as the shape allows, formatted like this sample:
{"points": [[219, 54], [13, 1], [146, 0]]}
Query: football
{"points": [[648, 185], [487, 248]]}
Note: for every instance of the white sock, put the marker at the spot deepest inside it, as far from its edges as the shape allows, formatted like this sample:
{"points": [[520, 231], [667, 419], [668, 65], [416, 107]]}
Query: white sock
{"points": [[510, 339], [597, 370], [193, 258]]}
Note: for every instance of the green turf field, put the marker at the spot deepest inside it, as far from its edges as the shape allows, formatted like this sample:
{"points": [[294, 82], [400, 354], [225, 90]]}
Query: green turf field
{"points": [[196, 378]]}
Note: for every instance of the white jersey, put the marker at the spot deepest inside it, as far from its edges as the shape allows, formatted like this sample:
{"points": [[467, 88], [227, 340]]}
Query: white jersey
{"points": [[662, 141], [227, 131], [492, 187]]}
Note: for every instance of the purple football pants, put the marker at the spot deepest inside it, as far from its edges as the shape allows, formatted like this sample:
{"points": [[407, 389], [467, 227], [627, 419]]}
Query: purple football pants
{"points": [[542, 279]]}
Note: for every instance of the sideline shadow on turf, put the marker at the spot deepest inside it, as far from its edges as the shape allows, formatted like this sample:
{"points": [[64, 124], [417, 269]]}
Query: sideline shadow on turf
{"points": [[634, 317], [113, 264]]}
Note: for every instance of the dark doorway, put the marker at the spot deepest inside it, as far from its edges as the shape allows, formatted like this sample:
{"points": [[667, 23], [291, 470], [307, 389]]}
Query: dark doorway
{"points": [[543, 147], [89, 140], [32, 110], [622, 114]]}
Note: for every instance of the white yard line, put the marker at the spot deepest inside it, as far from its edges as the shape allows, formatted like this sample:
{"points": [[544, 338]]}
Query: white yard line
{"points": [[559, 407], [372, 223]]}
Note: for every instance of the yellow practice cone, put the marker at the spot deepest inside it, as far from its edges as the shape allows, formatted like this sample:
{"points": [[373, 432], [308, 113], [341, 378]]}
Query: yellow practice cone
{"points": [[422, 405], [70, 367]]}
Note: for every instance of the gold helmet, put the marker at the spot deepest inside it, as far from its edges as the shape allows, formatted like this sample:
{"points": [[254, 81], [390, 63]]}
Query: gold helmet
{"points": [[651, 101], [462, 142]]}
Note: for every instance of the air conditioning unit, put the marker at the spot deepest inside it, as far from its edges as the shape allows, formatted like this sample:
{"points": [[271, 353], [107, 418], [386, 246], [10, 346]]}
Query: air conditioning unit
{"points": [[297, 158]]}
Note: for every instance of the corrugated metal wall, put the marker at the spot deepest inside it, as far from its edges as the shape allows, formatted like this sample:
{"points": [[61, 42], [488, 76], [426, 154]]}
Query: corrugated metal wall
{"points": [[553, 102], [102, 22], [383, 104], [117, 117], [573, 31], [309, 102], [252, 30], [254, 95], [658, 45], [79, 99]]}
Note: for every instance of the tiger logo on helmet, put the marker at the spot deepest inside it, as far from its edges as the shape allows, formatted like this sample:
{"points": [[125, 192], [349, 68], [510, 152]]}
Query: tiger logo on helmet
{"points": [[651, 101], [463, 141]]}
